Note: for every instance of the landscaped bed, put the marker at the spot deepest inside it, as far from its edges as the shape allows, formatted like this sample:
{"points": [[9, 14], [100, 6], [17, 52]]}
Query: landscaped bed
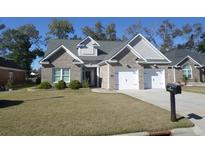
{"points": [[79, 112], [194, 89]]}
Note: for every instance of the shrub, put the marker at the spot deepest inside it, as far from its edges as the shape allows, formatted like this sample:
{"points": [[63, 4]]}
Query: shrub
{"points": [[85, 84], [60, 85], [185, 79], [44, 85], [74, 84]]}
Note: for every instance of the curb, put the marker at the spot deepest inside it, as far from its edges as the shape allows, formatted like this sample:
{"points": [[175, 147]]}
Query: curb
{"points": [[174, 132]]}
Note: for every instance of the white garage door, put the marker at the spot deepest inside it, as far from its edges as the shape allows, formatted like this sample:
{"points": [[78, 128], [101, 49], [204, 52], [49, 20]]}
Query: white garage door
{"points": [[128, 80], [154, 78]]}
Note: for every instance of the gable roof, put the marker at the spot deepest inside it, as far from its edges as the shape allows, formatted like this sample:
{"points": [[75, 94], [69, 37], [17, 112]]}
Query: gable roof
{"points": [[66, 49], [177, 55], [90, 38], [9, 63], [106, 50], [147, 52]]}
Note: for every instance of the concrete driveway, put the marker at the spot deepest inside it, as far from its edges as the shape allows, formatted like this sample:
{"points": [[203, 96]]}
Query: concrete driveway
{"points": [[190, 105]]}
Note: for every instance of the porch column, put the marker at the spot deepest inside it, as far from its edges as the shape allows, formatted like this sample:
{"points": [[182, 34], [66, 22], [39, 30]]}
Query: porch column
{"points": [[81, 70], [174, 75], [98, 76]]}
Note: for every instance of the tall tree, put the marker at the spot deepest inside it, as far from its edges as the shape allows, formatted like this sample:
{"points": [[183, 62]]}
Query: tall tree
{"points": [[201, 45], [75, 37], [2, 26], [22, 45], [168, 32], [134, 29], [99, 30], [137, 28], [89, 32], [192, 34], [111, 32], [150, 34], [60, 28], [96, 33]]}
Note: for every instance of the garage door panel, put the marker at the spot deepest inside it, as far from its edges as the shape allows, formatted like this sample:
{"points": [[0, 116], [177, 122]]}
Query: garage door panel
{"points": [[127, 80], [154, 78]]}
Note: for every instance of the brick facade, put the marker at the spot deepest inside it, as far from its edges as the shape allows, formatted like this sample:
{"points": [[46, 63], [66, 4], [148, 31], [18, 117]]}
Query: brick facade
{"points": [[104, 76], [197, 73], [18, 76], [126, 61], [61, 59]]}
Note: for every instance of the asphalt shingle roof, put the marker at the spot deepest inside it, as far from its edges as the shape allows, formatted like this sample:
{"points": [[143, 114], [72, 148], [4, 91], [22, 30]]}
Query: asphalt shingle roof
{"points": [[105, 50], [176, 55], [8, 63]]}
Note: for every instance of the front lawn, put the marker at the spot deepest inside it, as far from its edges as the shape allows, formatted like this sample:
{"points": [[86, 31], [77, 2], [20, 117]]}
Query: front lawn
{"points": [[79, 112], [194, 89]]}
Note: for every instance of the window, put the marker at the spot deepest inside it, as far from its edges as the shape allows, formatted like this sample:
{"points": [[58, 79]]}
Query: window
{"points": [[187, 71], [57, 75], [61, 74], [66, 75]]}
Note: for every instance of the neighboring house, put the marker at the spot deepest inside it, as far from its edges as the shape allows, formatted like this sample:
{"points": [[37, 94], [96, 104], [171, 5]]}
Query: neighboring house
{"points": [[132, 64], [9, 70], [186, 63]]}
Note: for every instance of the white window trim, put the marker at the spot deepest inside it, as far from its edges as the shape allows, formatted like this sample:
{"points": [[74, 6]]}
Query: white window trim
{"points": [[139, 55], [187, 71], [66, 49], [95, 52], [189, 57], [61, 75], [155, 49], [90, 39]]}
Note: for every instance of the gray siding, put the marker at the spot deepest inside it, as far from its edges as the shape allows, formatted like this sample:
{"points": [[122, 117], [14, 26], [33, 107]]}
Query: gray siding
{"points": [[127, 60], [144, 49]]}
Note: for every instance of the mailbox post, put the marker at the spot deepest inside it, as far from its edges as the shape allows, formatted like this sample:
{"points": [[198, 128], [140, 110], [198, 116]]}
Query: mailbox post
{"points": [[173, 89], [173, 107]]}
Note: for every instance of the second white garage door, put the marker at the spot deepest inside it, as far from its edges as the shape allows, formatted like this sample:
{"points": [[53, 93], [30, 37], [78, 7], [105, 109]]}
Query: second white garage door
{"points": [[154, 78], [128, 80]]}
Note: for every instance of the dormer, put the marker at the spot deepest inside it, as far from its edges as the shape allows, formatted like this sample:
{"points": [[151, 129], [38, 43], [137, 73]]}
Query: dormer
{"points": [[88, 47]]}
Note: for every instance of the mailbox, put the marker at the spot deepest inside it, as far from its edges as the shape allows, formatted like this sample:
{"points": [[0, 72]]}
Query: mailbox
{"points": [[174, 88]]}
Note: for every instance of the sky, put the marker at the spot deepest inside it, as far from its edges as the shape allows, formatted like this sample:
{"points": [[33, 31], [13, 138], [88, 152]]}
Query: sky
{"points": [[122, 23]]}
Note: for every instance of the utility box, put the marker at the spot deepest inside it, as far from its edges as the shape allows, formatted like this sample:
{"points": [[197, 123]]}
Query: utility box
{"points": [[173, 89]]}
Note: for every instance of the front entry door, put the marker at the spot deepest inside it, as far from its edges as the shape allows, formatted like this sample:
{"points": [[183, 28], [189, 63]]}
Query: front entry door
{"points": [[88, 76]]}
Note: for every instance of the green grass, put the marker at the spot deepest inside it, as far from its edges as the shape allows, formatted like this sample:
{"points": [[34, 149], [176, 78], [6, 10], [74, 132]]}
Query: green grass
{"points": [[79, 112], [194, 89]]}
